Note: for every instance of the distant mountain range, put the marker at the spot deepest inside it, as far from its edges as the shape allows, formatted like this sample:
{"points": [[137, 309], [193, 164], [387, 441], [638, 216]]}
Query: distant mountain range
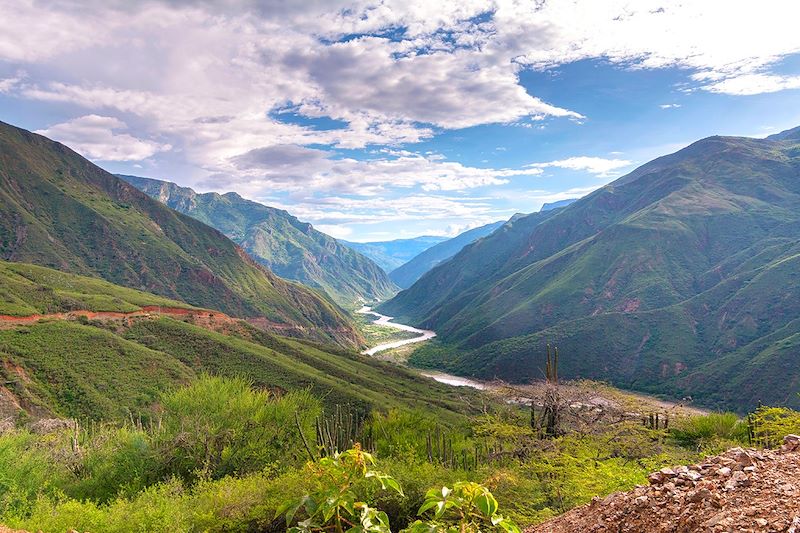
{"points": [[290, 248], [682, 277], [406, 274], [392, 254], [60, 210]]}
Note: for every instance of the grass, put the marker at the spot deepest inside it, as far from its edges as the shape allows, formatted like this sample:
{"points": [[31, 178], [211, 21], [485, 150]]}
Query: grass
{"points": [[29, 289], [225, 456]]}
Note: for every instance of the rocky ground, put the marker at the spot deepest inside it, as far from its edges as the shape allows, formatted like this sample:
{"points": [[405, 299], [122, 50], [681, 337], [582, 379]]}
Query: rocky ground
{"points": [[739, 491]]}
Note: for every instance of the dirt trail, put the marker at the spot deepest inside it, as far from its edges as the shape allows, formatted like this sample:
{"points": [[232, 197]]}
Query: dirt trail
{"points": [[146, 311]]}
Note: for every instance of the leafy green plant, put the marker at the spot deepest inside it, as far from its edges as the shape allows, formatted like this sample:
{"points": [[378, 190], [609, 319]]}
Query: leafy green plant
{"points": [[466, 508], [333, 506]]}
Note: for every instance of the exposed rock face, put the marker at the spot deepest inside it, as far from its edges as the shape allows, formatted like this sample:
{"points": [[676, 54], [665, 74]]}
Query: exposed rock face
{"points": [[739, 491]]}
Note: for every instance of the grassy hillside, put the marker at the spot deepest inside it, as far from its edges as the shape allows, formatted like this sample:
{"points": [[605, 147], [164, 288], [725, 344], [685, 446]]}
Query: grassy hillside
{"points": [[107, 368], [679, 278], [288, 247], [61, 211], [405, 275], [27, 289], [391, 254]]}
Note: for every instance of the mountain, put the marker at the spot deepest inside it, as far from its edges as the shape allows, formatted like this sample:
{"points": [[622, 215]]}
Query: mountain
{"points": [[290, 248], [405, 275], [556, 205], [80, 347], [391, 254], [60, 210], [679, 278]]}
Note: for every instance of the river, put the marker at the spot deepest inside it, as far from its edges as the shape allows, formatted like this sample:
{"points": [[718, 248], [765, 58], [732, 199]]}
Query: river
{"points": [[383, 320], [424, 335]]}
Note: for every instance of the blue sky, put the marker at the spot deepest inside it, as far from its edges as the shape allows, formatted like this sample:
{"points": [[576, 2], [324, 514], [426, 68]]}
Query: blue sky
{"points": [[378, 119]]}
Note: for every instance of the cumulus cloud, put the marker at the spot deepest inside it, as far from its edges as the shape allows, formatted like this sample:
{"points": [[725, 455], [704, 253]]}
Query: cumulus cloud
{"points": [[341, 210], [749, 84], [98, 137], [9, 84], [293, 167], [598, 166], [208, 77]]}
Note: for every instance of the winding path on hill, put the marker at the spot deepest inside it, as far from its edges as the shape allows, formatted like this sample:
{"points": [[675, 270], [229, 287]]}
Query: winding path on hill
{"points": [[143, 312], [383, 320]]}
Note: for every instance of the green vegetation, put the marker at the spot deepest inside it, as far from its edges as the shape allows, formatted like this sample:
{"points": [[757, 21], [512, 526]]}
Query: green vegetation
{"points": [[106, 370], [288, 247], [29, 289], [221, 454], [61, 211], [678, 279]]}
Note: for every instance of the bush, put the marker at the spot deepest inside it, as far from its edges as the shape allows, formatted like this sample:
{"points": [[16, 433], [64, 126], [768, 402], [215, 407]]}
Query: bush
{"points": [[27, 471], [771, 424], [219, 427], [712, 430]]}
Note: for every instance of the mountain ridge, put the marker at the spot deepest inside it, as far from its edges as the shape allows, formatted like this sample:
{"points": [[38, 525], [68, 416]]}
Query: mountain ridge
{"points": [[278, 240], [406, 274], [649, 282], [62, 211]]}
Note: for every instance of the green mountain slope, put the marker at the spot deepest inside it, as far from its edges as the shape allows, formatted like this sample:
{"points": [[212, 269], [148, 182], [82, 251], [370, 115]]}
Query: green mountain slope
{"points": [[392, 254], [109, 368], [678, 278], [405, 275], [290, 248], [60, 210]]}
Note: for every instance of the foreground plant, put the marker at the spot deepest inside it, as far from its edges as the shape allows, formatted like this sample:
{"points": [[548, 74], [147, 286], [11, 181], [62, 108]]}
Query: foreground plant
{"points": [[466, 508], [333, 506]]}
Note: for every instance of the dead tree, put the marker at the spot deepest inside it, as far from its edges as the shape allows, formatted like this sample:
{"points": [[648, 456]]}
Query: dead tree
{"points": [[548, 424]]}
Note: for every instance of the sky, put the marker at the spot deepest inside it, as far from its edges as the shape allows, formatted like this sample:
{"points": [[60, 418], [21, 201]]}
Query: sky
{"points": [[376, 119]]}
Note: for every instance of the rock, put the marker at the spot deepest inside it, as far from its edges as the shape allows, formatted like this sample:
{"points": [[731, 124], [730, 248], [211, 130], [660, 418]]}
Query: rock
{"points": [[790, 443], [699, 495], [667, 472], [724, 471], [50, 425]]}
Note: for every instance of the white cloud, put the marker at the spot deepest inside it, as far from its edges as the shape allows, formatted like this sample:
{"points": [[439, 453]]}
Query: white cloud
{"points": [[207, 77], [337, 232], [97, 137], [338, 210], [669, 106], [749, 84], [291, 167], [599, 166], [9, 84]]}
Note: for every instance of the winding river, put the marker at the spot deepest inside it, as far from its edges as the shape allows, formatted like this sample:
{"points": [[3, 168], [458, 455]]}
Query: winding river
{"points": [[383, 320], [424, 335]]}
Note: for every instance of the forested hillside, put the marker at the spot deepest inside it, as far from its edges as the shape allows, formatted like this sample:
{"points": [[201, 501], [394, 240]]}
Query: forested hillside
{"points": [[678, 278], [61, 211], [288, 247]]}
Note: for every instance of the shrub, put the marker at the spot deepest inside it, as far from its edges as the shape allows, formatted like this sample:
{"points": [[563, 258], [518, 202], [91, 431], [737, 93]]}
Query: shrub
{"points": [[27, 471], [218, 427], [770, 424], [332, 505], [713, 429]]}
